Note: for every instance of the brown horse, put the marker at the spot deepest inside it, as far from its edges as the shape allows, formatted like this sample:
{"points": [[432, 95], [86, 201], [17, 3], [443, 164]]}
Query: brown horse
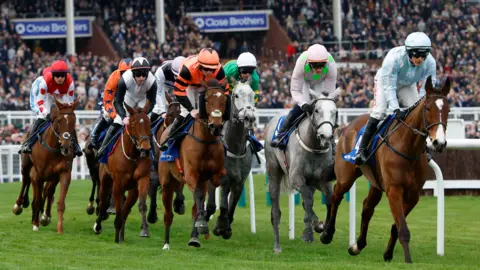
{"points": [[401, 167], [201, 157], [128, 168], [50, 162], [172, 112]]}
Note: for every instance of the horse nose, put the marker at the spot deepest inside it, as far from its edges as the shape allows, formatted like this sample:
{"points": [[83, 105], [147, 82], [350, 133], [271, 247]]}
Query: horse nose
{"points": [[435, 142], [322, 136], [249, 107]]}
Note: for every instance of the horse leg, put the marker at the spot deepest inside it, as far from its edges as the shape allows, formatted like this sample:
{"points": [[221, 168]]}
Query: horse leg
{"points": [[345, 180], [90, 208], [211, 206], [167, 195], [65, 179], [408, 205], [395, 199], [127, 206], [194, 241], [152, 193], [118, 199], [22, 200], [235, 194], [369, 204], [222, 221], [326, 189], [199, 196], [37, 202], [143, 184], [105, 188], [93, 168], [179, 201], [307, 195], [49, 193], [274, 183]]}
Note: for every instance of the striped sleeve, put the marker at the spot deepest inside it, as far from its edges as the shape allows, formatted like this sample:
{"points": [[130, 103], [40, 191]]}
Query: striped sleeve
{"points": [[182, 81]]}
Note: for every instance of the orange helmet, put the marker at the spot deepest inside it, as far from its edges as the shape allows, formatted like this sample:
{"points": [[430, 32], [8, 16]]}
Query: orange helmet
{"points": [[125, 64], [208, 58]]}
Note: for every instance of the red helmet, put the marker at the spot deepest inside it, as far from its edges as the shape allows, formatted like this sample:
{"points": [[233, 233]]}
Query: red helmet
{"points": [[59, 66], [46, 70], [125, 64]]}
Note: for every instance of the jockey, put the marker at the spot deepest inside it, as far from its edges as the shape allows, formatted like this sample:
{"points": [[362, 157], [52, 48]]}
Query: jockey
{"points": [[195, 72], [243, 69], [135, 87], [54, 83], [165, 77], [108, 111], [397, 79], [35, 89], [315, 69]]}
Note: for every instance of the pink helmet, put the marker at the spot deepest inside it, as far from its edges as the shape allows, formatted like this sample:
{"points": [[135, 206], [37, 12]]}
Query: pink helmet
{"points": [[317, 53]]}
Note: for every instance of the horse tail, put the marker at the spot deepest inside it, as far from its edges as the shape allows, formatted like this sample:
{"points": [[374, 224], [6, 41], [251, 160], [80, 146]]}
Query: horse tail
{"points": [[328, 174]]}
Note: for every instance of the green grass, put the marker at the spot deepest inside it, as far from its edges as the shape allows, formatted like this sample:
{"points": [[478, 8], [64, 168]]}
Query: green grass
{"points": [[80, 248]]}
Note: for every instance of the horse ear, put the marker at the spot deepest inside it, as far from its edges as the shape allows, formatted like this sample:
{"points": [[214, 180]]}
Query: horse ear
{"points": [[130, 110], [335, 93], [429, 86], [75, 103], [147, 104], [315, 94], [59, 105], [446, 86]]}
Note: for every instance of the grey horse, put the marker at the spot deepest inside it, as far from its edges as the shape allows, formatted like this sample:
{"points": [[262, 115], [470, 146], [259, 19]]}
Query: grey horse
{"points": [[307, 154], [238, 161]]}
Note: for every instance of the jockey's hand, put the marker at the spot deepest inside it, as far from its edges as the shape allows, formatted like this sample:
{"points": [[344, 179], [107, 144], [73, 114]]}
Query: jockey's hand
{"points": [[194, 113], [399, 114], [126, 120], [307, 108], [164, 115]]}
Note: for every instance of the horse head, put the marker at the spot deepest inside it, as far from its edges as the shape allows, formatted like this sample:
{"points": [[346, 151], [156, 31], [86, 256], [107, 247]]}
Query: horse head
{"points": [[63, 118], [215, 106], [244, 104], [139, 128], [324, 116], [173, 111], [435, 114]]}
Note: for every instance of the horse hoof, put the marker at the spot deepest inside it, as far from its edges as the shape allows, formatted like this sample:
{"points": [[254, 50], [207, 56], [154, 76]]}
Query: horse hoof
{"points": [[35, 228], [202, 226], [227, 234], [307, 236], [277, 250], [45, 220], [26, 203], [90, 209], [97, 228], [166, 247], [326, 238], [217, 232], [318, 226], [387, 257], [111, 211], [17, 210], [179, 208], [144, 233], [194, 242], [353, 250], [152, 218]]}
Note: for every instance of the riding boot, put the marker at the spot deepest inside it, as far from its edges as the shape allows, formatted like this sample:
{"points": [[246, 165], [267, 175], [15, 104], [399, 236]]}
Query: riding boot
{"points": [[28, 144], [76, 147], [370, 129], [291, 117], [108, 137], [173, 132], [98, 127], [153, 118]]}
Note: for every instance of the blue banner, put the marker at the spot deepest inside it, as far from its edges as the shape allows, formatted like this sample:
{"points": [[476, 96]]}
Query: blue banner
{"points": [[254, 20], [51, 27]]}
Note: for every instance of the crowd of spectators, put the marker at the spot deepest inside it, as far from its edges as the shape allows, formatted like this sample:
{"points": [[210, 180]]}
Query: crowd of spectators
{"points": [[374, 26]]}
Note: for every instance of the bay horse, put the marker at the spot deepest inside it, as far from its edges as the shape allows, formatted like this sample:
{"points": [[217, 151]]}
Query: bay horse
{"points": [[308, 154], [173, 111], [401, 167], [49, 163], [201, 159], [128, 168]]}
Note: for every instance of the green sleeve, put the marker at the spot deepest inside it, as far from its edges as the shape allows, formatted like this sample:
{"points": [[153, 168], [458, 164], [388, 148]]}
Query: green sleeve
{"points": [[255, 81], [230, 69]]}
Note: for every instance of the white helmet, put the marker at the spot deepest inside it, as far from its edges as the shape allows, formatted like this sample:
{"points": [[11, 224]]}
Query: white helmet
{"points": [[317, 53], [246, 59], [176, 64], [418, 40]]}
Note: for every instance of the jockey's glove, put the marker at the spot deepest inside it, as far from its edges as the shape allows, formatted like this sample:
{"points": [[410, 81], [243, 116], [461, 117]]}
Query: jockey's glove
{"points": [[307, 107], [399, 114]]}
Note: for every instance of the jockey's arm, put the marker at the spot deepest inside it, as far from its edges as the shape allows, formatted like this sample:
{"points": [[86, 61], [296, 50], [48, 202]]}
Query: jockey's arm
{"points": [[431, 71], [331, 78], [255, 85], [151, 96], [109, 93], [42, 99], [180, 88], [389, 81], [119, 98], [296, 86], [160, 107], [69, 97]]}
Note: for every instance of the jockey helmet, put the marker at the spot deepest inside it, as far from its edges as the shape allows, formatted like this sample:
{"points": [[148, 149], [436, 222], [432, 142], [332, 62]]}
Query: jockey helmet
{"points": [[140, 63], [125, 64], [418, 44], [317, 53], [176, 64], [246, 63], [59, 66], [208, 58], [46, 70]]}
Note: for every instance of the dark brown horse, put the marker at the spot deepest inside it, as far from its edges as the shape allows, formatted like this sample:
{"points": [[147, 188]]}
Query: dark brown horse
{"points": [[201, 157], [128, 168], [401, 167], [50, 162], [172, 112]]}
